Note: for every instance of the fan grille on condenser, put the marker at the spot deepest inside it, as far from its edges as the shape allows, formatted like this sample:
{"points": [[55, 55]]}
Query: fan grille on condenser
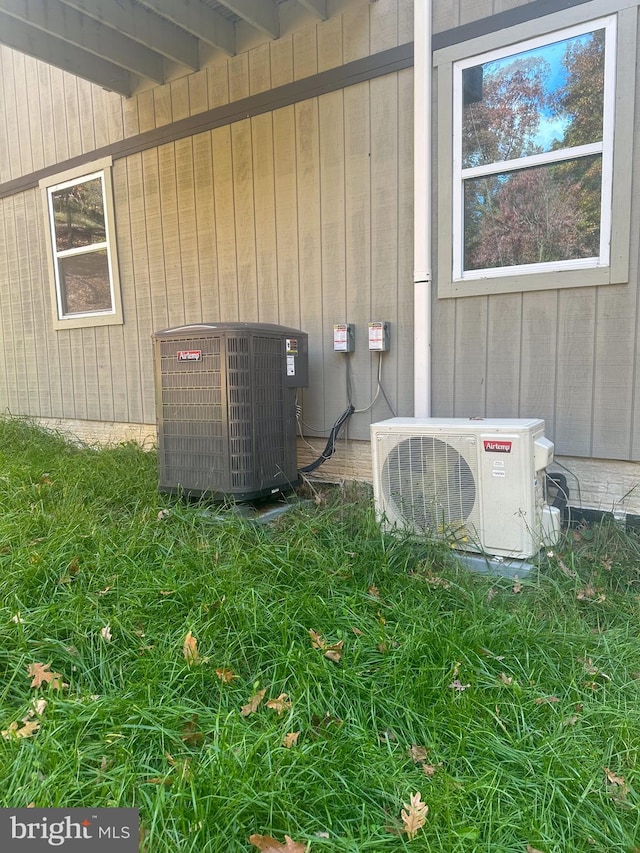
{"points": [[428, 484]]}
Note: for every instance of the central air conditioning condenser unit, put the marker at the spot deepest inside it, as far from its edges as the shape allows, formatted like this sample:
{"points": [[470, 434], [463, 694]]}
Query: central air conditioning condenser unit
{"points": [[226, 408], [480, 484]]}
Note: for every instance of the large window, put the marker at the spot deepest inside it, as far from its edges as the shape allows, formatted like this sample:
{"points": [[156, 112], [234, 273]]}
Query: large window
{"points": [[79, 210], [532, 197]]}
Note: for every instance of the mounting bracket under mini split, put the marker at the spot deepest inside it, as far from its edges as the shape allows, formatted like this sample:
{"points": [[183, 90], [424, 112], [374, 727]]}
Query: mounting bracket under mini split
{"points": [[486, 564]]}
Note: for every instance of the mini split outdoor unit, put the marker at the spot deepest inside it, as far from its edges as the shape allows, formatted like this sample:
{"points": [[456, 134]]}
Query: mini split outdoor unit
{"points": [[480, 484], [226, 408]]}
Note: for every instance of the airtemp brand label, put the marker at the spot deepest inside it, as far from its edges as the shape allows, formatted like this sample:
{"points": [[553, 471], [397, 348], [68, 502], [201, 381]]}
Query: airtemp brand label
{"points": [[81, 830], [493, 445], [190, 355]]}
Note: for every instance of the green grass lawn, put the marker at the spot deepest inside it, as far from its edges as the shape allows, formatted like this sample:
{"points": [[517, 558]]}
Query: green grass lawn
{"points": [[512, 707]]}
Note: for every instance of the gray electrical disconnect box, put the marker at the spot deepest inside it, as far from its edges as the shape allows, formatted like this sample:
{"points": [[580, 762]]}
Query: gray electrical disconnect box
{"points": [[226, 411]]}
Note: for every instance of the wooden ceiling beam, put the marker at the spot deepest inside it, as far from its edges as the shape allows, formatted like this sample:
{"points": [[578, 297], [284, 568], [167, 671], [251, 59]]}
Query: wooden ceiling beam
{"points": [[318, 7], [68, 57], [197, 18], [261, 14], [144, 27], [56, 19]]}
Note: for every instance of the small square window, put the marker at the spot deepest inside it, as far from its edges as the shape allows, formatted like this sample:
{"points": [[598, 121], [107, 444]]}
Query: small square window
{"points": [[80, 227]]}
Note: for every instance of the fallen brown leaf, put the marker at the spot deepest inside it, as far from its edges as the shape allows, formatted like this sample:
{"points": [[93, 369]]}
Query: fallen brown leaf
{"points": [[545, 700], [28, 729], [613, 778], [290, 739], [590, 669], [414, 815], [225, 675], [358, 632], [456, 684], [435, 581], [506, 679], [570, 721], [317, 640], [590, 593], [268, 844], [252, 705], [281, 704], [418, 753], [373, 591], [41, 675], [190, 649], [191, 735], [431, 769], [334, 652], [38, 707], [566, 570]]}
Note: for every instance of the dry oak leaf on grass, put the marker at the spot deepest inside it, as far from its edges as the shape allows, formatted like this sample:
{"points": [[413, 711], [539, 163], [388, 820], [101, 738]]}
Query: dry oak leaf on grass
{"points": [[613, 778], [414, 815], [253, 703], [417, 753], [281, 704], [290, 739], [331, 651], [268, 844], [40, 675], [28, 729]]}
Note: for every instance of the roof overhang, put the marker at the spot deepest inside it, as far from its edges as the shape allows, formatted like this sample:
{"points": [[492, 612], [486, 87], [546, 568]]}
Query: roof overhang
{"points": [[127, 45]]}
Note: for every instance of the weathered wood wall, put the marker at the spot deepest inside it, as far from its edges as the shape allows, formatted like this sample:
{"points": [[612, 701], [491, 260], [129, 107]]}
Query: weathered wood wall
{"points": [[568, 356], [300, 216]]}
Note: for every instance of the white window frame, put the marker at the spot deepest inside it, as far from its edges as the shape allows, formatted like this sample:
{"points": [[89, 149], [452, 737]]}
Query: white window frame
{"points": [[619, 18], [100, 169]]}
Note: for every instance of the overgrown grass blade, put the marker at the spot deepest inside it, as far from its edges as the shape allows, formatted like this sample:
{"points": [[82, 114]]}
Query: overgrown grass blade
{"points": [[522, 698]]}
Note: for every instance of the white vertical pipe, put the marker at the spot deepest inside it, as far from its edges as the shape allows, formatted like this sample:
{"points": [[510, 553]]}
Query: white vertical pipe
{"points": [[422, 208]]}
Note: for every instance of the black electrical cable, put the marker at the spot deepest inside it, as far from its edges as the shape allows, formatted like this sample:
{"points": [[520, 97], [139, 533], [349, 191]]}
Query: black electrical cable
{"points": [[330, 447]]}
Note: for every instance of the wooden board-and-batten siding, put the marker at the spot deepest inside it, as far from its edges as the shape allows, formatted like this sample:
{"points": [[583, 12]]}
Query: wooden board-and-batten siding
{"points": [[298, 214], [570, 356], [301, 214]]}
